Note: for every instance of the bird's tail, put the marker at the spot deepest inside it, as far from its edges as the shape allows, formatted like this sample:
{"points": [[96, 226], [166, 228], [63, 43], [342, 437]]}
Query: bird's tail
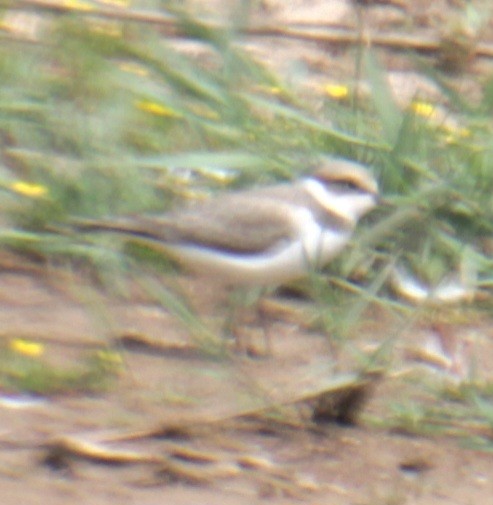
{"points": [[123, 226]]}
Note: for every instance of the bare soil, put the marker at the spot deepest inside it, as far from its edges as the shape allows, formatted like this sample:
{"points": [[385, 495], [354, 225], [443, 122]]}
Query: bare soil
{"points": [[179, 426]]}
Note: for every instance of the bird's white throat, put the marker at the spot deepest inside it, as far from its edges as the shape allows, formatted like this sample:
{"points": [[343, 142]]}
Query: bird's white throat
{"points": [[350, 206]]}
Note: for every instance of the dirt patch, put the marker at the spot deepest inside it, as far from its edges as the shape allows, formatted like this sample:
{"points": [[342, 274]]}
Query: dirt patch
{"points": [[184, 427]]}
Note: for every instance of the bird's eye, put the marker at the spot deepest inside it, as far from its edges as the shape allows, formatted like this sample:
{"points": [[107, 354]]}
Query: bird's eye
{"points": [[348, 185]]}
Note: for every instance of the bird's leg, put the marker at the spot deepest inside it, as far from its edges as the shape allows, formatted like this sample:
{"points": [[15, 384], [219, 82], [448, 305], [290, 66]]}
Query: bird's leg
{"points": [[241, 300], [262, 318], [230, 321]]}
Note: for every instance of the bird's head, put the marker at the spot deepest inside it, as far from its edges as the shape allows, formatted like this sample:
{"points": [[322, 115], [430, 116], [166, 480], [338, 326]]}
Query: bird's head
{"points": [[344, 188]]}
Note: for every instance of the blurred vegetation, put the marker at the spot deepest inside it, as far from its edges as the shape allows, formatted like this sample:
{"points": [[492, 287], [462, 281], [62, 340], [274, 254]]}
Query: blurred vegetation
{"points": [[25, 367], [107, 109], [102, 110], [112, 109]]}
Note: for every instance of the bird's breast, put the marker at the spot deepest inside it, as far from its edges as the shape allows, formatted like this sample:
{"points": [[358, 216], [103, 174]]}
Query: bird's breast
{"points": [[322, 244]]}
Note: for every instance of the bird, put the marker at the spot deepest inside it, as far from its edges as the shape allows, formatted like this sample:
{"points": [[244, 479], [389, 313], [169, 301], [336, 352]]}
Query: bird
{"points": [[261, 236]]}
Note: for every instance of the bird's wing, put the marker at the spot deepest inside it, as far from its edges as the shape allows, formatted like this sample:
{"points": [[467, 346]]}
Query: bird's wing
{"points": [[242, 225], [239, 224]]}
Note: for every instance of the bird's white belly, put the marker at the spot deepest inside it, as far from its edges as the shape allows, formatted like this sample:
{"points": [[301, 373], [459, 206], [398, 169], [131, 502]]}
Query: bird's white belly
{"points": [[294, 259]]}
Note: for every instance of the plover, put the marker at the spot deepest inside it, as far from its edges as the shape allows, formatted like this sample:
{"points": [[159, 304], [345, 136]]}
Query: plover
{"points": [[261, 236]]}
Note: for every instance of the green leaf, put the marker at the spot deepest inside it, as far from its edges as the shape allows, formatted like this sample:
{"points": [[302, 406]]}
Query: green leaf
{"points": [[389, 114]]}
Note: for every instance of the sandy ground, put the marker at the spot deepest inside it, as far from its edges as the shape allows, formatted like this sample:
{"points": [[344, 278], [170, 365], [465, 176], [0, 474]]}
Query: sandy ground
{"points": [[182, 427]]}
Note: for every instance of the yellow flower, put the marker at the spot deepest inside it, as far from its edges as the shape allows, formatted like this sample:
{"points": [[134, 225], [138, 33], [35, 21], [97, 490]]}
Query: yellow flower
{"points": [[424, 109], [337, 91], [454, 135], [27, 347], [78, 5], [28, 189], [156, 109]]}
